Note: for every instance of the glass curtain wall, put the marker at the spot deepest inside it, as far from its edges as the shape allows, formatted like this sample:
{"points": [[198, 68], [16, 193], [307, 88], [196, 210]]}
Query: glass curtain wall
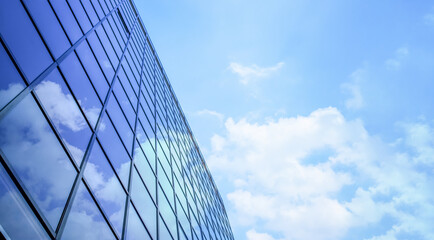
{"points": [[93, 142]]}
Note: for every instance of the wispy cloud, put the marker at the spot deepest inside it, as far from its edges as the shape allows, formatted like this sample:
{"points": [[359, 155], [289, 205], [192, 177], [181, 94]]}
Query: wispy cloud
{"points": [[395, 62], [207, 112], [352, 88], [254, 72]]}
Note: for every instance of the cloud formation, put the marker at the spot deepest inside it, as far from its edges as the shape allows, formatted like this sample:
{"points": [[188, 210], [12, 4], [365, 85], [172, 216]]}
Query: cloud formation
{"points": [[321, 176], [254, 72], [352, 88], [395, 62]]}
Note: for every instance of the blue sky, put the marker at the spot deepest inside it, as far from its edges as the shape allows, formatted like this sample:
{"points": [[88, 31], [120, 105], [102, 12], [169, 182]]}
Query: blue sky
{"points": [[315, 117]]}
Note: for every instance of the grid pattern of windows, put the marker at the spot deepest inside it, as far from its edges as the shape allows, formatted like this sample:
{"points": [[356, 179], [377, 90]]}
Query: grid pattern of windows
{"points": [[93, 142]]}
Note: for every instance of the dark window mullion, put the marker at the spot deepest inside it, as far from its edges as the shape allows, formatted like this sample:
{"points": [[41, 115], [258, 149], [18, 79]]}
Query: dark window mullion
{"points": [[79, 177]]}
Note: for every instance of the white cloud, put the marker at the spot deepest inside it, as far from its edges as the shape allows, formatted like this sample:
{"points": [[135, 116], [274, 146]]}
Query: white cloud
{"points": [[254, 72], [253, 235], [212, 113], [352, 88], [396, 62], [279, 185]]}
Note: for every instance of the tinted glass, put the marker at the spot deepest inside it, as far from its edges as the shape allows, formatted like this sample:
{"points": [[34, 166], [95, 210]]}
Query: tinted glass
{"points": [[114, 149], [16, 218], [135, 229], [144, 204], [25, 44], [67, 19], [11, 82], [82, 88], [93, 69], [85, 221], [65, 114], [49, 26], [106, 187], [39, 160]]}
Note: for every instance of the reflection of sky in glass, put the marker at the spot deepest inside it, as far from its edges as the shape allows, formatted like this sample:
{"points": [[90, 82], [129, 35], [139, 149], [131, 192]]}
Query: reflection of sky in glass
{"points": [[16, 217], [166, 210], [135, 229], [11, 82], [85, 220], [49, 26], [37, 157], [114, 149], [82, 88], [65, 114], [163, 232], [26, 45], [145, 170], [106, 186], [144, 204]]}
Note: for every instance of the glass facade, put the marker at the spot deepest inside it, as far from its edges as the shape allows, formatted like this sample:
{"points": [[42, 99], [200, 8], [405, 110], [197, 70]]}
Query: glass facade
{"points": [[93, 142]]}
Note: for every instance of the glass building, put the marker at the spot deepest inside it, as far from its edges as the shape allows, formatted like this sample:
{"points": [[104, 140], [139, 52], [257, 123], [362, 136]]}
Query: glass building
{"points": [[93, 142]]}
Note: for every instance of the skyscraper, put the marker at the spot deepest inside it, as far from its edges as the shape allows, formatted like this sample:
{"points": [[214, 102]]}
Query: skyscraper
{"points": [[93, 142]]}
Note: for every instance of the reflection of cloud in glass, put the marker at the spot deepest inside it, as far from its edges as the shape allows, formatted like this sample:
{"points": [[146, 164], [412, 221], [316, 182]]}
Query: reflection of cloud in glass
{"points": [[16, 217], [106, 186], [85, 220], [37, 157], [65, 114]]}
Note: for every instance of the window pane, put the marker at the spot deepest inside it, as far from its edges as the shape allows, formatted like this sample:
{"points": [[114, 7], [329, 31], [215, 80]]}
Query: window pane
{"points": [[80, 15], [16, 218], [67, 20], [145, 205], [49, 175], [64, 112], [85, 221], [166, 210], [120, 123], [101, 57], [106, 186], [11, 82], [145, 171], [163, 232], [125, 103], [81, 87], [135, 229], [93, 69], [49, 26], [114, 149], [25, 44]]}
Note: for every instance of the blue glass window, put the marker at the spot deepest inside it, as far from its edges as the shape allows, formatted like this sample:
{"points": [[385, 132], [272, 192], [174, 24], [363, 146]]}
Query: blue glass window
{"points": [[114, 149], [11, 83], [163, 232], [125, 103], [49, 175], [135, 229], [166, 210], [145, 171], [106, 186], [16, 218], [49, 26], [25, 44], [145, 205], [82, 88], [85, 221], [80, 15], [67, 19], [65, 114], [101, 56], [120, 123], [93, 69]]}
